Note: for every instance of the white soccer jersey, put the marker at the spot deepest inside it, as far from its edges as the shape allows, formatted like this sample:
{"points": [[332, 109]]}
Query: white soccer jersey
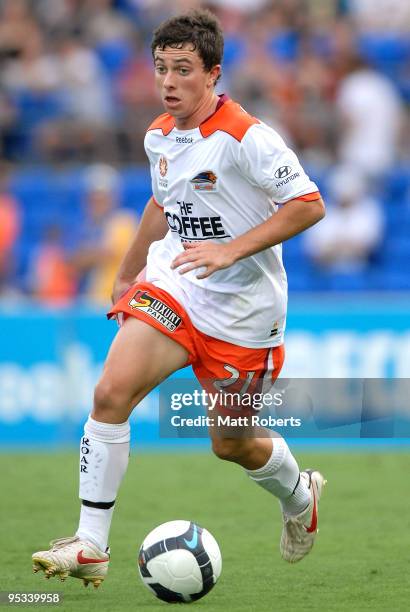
{"points": [[216, 182]]}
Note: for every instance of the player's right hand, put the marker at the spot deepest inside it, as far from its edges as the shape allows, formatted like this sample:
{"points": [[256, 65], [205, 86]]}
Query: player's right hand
{"points": [[120, 288], [122, 285]]}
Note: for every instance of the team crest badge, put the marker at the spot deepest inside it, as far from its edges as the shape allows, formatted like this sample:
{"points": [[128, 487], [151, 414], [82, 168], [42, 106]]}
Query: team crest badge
{"points": [[163, 166], [204, 181]]}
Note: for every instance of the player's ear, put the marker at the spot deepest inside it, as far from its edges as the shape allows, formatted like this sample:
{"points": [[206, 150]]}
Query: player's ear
{"points": [[214, 74]]}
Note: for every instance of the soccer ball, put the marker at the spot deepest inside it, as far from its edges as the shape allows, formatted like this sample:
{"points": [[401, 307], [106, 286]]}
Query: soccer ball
{"points": [[179, 561]]}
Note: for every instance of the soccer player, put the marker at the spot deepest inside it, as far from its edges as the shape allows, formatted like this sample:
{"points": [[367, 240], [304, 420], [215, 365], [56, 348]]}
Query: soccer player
{"points": [[214, 292]]}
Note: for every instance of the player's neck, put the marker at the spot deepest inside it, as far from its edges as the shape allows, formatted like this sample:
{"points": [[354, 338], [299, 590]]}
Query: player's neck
{"points": [[205, 110]]}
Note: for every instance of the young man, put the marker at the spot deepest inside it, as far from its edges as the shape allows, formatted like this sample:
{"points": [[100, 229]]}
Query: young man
{"points": [[214, 293]]}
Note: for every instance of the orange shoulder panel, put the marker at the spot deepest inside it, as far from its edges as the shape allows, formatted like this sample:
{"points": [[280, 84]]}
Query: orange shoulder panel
{"points": [[230, 118], [164, 122]]}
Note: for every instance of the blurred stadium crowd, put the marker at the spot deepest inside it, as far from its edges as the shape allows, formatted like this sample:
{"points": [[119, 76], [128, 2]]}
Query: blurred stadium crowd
{"points": [[77, 94]]}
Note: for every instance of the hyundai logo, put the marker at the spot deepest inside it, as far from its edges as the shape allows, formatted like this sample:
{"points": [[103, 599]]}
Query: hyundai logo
{"points": [[282, 172]]}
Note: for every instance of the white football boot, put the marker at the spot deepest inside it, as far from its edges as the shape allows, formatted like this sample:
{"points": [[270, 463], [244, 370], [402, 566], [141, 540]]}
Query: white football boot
{"points": [[73, 557], [299, 532]]}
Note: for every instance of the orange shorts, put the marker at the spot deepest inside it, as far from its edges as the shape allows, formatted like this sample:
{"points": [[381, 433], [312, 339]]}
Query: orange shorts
{"points": [[217, 364]]}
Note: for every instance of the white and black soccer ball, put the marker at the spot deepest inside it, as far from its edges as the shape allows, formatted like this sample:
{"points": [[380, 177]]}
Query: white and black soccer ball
{"points": [[179, 561]]}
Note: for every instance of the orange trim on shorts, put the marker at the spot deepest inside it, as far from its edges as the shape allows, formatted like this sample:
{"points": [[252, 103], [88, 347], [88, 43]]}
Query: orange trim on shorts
{"points": [[134, 303], [208, 356]]}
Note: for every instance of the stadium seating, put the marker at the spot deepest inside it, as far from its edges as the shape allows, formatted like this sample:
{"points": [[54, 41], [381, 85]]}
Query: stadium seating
{"points": [[49, 197]]}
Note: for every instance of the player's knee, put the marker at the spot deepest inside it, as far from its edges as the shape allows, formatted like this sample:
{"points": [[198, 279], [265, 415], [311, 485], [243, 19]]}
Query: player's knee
{"points": [[228, 449], [108, 398]]}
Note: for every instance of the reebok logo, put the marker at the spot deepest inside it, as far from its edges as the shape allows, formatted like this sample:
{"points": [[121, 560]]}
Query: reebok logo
{"points": [[184, 139]]}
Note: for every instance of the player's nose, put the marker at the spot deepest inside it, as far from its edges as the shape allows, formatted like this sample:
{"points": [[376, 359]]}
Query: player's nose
{"points": [[169, 81]]}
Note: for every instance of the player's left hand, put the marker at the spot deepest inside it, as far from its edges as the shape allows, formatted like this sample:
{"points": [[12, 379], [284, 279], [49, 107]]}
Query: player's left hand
{"points": [[209, 255]]}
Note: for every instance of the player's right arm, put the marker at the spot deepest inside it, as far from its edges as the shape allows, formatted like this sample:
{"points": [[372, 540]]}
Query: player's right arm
{"points": [[153, 226]]}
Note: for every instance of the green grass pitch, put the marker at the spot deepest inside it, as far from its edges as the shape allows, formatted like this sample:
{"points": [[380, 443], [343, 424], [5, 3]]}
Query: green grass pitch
{"points": [[361, 559]]}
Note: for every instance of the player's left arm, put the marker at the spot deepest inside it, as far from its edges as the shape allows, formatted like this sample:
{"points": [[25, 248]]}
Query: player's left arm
{"points": [[292, 219]]}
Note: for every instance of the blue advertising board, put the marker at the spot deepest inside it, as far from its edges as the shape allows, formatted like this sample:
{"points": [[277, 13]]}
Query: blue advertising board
{"points": [[50, 361]]}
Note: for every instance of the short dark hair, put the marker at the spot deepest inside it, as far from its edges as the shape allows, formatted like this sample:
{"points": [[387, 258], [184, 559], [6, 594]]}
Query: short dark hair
{"points": [[199, 27]]}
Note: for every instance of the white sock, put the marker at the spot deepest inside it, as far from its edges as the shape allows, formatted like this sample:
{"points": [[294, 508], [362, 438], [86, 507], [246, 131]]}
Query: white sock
{"points": [[94, 525], [281, 477], [104, 452]]}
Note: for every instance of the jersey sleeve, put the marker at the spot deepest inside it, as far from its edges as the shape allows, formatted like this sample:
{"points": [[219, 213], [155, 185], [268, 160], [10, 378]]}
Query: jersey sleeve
{"points": [[156, 194], [269, 164], [154, 171]]}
